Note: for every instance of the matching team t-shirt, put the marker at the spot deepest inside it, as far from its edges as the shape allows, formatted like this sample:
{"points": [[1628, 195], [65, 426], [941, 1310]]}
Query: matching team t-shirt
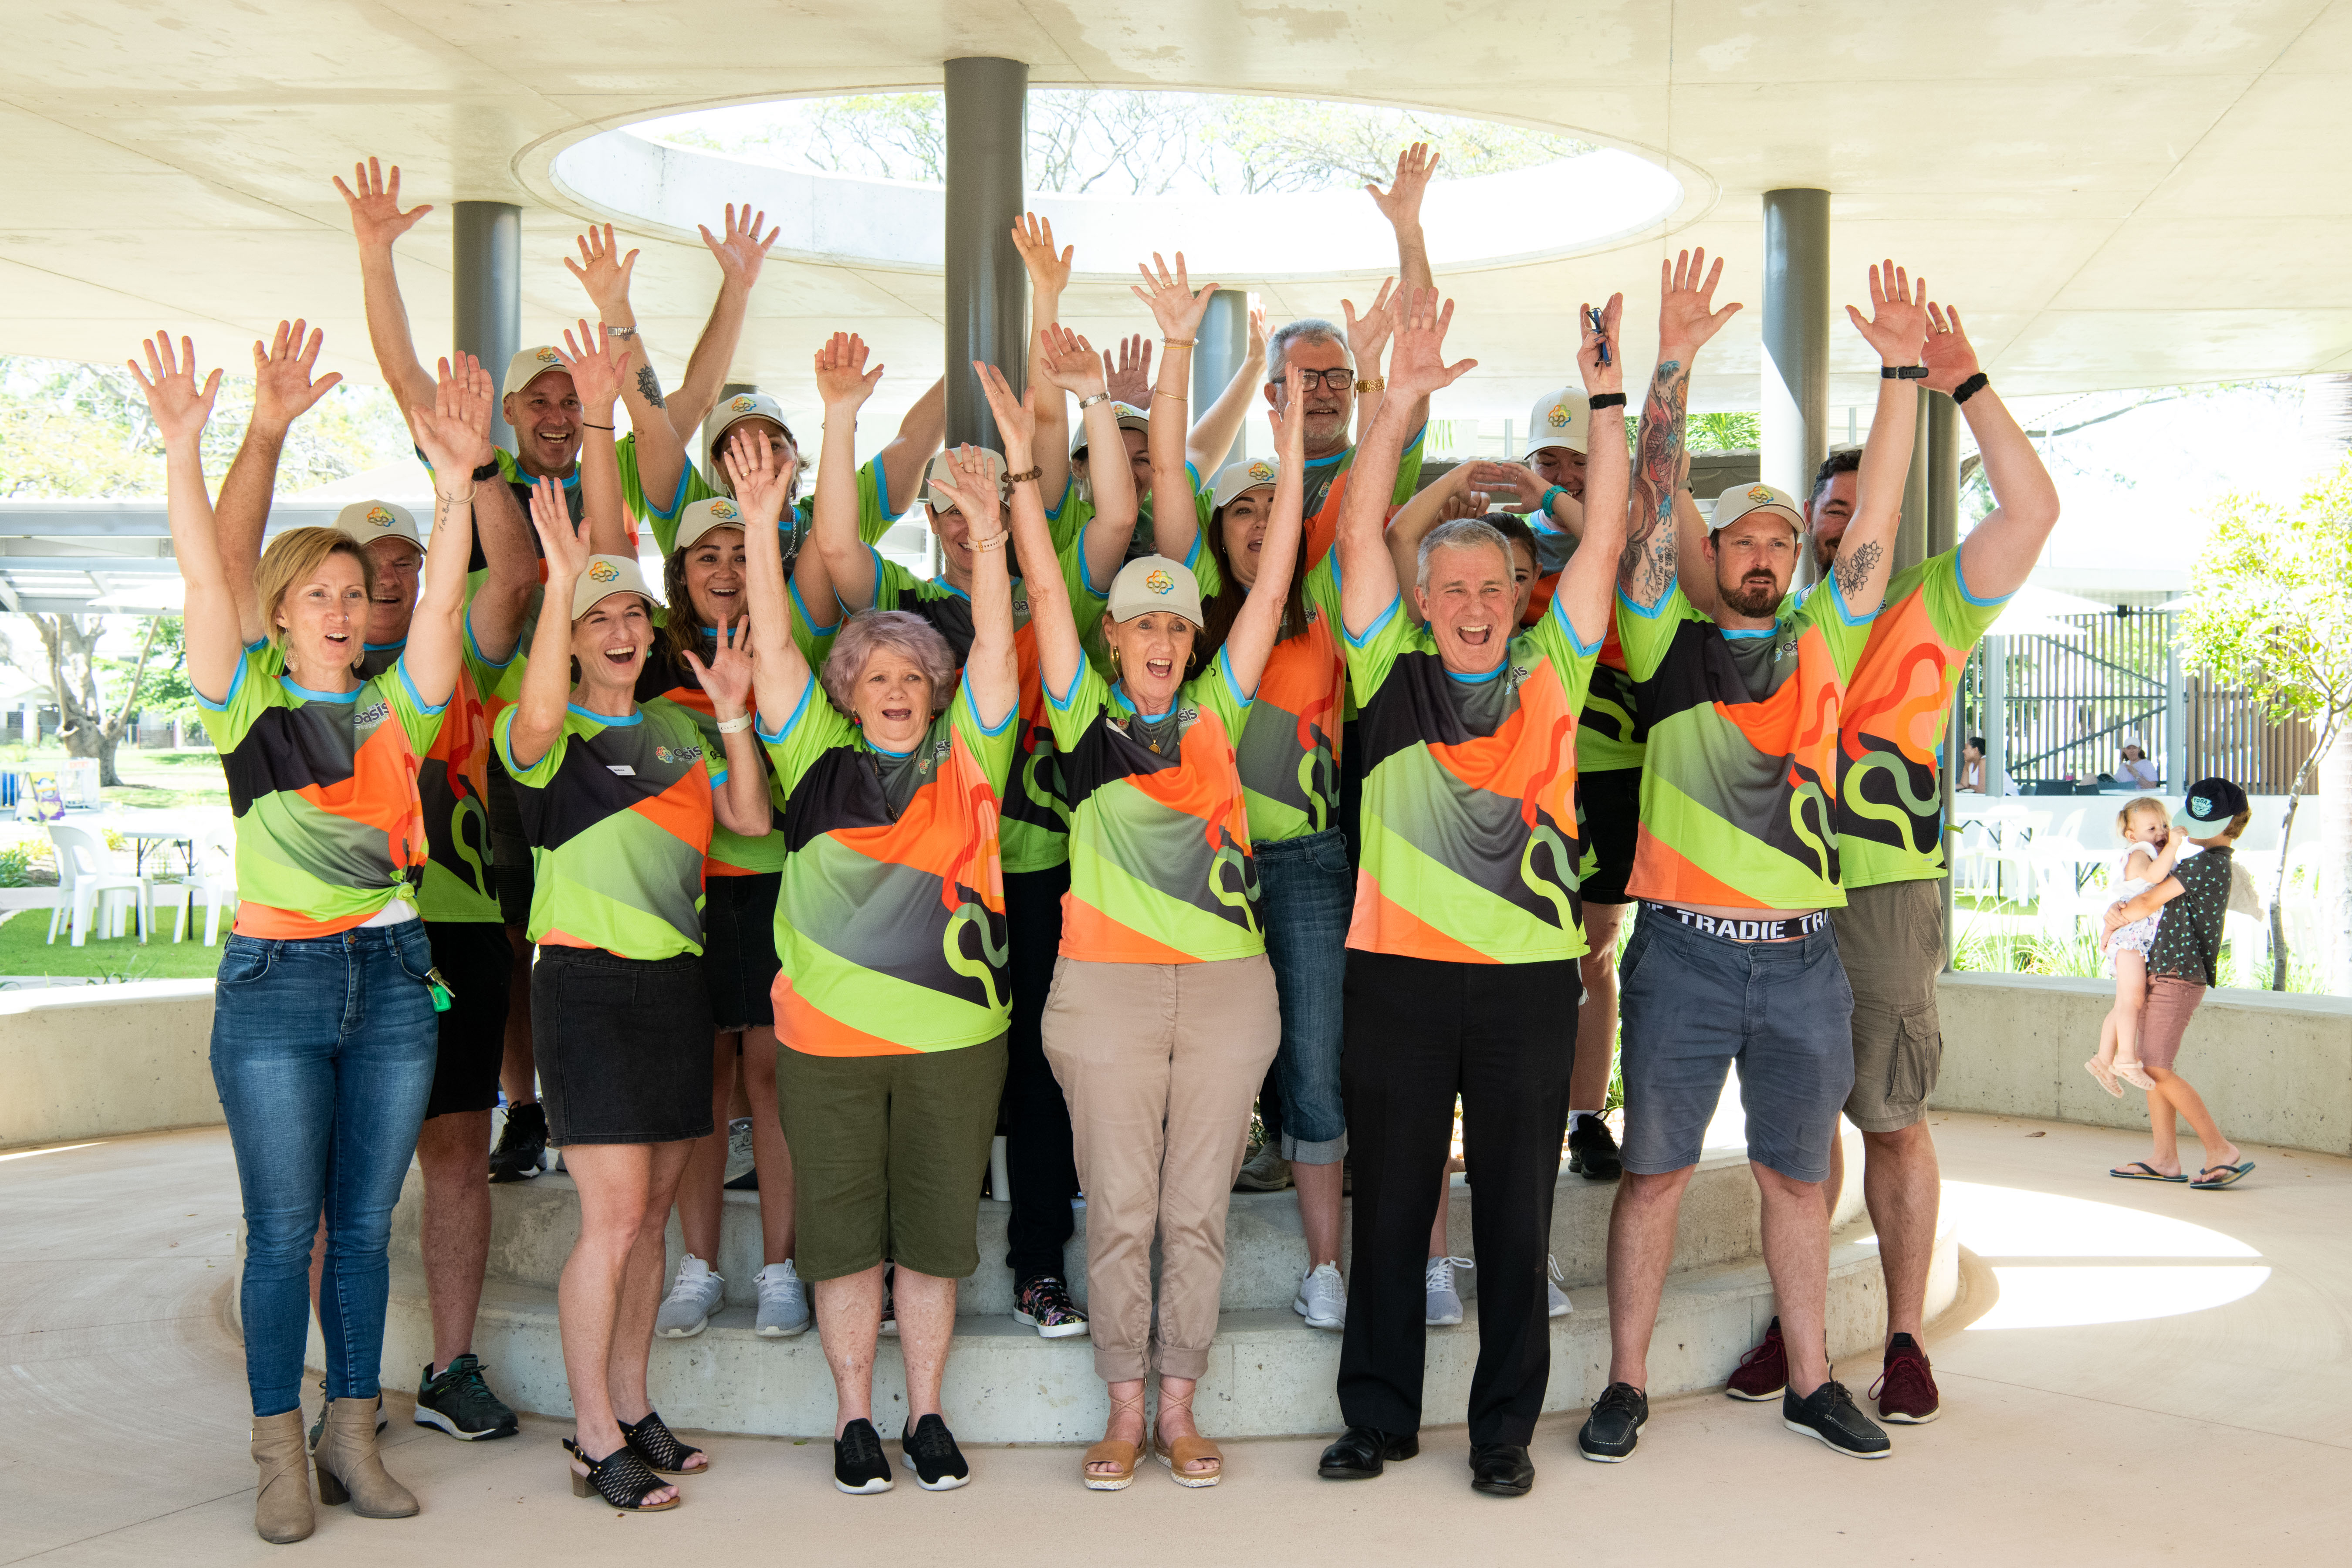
{"points": [[1289, 752], [1737, 787], [874, 514], [1470, 840], [890, 921], [324, 786], [1161, 869], [1610, 734], [450, 780]]}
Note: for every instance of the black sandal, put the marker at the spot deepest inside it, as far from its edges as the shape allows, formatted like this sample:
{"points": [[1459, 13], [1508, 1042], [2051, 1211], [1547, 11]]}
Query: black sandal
{"points": [[658, 1446], [620, 1478]]}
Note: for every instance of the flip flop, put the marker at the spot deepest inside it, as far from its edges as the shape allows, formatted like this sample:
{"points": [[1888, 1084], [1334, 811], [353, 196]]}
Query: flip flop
{"points": [[2236, 1174], [2141, 1171]]}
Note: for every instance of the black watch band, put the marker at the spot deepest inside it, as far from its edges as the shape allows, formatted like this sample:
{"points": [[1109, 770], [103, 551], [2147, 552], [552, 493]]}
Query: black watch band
{"points": [[488, 470], [1903, 373], [1970, 387]]}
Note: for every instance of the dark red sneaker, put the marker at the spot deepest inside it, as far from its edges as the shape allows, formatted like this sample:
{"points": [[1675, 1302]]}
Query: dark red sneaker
{"points": [[1906, 1391], [1763, 1371]]}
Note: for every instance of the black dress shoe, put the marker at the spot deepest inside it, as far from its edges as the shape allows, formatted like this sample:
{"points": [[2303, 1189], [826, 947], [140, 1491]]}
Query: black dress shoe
{"points": [[1362, 1452], [1501, 1470]]}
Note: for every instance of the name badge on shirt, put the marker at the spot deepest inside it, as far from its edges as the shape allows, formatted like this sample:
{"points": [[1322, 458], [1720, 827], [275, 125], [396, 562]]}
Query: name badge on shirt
{"points": [[623, 769]]}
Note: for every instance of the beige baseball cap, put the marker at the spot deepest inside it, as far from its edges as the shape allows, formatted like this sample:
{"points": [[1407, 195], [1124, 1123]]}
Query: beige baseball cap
{"points": [[527, 365], [1151, 583], [607, 575], [1130, 417], [938, 468], [369, 520], [701, 517], [1740, 499], [1249, 474], [1562, 419], [733, 412]]}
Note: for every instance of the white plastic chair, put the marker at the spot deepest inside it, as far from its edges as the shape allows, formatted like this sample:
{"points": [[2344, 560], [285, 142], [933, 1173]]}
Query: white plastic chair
{"points": [[85, 877], [213, 879]]}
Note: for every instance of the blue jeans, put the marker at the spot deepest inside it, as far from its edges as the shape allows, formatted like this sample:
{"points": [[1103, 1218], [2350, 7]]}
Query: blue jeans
{"points": [[323, 1052], [1309, 895]]}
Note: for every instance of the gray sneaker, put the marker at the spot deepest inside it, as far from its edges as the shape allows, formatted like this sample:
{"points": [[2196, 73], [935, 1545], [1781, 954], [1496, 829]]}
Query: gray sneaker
{"points": [[784, 1302], [1445, 1300], [1556, 1304], [691, 1301], [739, 1148], [1267, 1171]]}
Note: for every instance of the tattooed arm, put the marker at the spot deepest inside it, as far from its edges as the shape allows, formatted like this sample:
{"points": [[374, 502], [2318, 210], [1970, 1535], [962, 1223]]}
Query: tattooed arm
{"points": [[1897, 326], [1686, 320]]}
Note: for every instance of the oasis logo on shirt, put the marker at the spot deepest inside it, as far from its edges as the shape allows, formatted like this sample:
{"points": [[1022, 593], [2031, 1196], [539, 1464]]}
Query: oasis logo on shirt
{"points": [[688, 755], [373, 714]]}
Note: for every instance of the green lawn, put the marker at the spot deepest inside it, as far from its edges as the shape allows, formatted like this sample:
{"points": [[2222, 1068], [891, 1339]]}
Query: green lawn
{"points": [[164, 781], [21, 951]]}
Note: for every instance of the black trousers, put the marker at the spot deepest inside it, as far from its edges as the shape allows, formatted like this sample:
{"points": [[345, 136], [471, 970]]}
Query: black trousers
{"points": [[1038, 1154], [1503, 1037]]}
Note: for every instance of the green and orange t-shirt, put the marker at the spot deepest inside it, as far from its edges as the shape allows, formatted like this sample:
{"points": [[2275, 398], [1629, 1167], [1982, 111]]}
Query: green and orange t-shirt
{"points": [[874, 514], [1161, 869], [1737, 787], [1289, 754], [890, 923], [329, 827], [1891, 726], [1470, 849], [618, 816], [1610, 734], [450, 780]]}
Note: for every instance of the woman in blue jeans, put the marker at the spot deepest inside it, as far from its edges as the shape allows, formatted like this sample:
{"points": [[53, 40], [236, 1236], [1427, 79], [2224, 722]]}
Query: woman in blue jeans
{"points": [[1290, 762], [324, 1037]]}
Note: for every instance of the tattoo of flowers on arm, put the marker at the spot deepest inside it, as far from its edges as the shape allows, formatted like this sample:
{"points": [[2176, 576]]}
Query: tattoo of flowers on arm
{"points": [[650, 385], [1647, 565], [1854, 566]]}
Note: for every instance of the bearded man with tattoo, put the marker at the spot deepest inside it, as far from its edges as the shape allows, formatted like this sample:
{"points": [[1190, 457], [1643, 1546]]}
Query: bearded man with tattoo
{"points": [[1735, 865]]}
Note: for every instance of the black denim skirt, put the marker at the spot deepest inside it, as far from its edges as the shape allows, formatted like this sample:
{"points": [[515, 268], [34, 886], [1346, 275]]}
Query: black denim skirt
{"points": [[623, 1046], [739, 949]]}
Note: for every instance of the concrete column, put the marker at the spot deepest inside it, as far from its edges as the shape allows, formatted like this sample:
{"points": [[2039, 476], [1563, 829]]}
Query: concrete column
{"points": [[1796, 368], [486, 250], [1939, 471], [1911, 546], [1996, 715], [1223, 348], [987, 292]]}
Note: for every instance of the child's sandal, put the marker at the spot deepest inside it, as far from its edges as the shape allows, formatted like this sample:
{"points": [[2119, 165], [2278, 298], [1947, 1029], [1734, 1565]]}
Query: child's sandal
{"points": [[2099, 1070], [2135, 1075]]}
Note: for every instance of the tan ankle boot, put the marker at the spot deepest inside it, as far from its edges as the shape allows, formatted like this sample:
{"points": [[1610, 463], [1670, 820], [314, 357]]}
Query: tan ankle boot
{"points": [[281, 1508], [349, 1469]]}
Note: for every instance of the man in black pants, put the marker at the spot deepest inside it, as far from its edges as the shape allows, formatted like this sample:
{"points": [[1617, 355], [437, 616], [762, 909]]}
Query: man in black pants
{"points": [[1039, 1156], [1462, 956]]}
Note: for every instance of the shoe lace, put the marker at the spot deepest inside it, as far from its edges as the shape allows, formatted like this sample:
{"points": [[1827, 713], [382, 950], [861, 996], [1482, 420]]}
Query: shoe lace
{"points": [[1906, 1373], [1441, 1272], [861, 1444], [1762, 1352], [1551, 1266], [464, 1376], [1047, 1300], [1619, 1396], [689, 1285], [931, 1440]]}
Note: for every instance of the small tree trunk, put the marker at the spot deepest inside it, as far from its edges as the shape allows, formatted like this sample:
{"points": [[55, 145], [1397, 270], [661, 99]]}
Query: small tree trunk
{"points": [[2335, 889], [2287, 837]]}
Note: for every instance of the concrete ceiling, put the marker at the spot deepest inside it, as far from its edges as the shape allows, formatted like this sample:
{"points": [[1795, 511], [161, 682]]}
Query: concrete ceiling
{"points": [[2117, 193]]}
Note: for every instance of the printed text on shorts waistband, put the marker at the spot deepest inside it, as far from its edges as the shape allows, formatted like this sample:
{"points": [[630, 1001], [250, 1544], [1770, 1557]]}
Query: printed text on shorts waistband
{"points": [[1742, 931]]}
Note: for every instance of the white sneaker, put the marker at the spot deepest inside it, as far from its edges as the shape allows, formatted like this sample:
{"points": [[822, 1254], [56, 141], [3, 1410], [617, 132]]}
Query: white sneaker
{"points": [[1323, 1298], [1561, 1305], [739, 1148], [784, 1302], [1445, 1300], [691, 1301]]}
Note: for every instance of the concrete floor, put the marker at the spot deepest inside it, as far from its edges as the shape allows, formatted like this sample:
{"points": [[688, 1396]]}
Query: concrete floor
{"points": [[2138, 1373]]}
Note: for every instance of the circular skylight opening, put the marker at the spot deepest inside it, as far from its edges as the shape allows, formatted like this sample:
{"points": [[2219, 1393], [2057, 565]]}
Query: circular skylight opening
{"points": [[1252, 187]]}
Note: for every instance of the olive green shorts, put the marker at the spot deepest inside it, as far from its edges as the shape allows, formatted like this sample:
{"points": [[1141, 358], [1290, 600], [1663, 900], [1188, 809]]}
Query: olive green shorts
{"points": [[1891, 939], [888, 1156]]}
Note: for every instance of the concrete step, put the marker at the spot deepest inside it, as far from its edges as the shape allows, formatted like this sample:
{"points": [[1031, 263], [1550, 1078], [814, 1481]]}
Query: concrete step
{"points": [[534, 1224], [1270, 1374]]}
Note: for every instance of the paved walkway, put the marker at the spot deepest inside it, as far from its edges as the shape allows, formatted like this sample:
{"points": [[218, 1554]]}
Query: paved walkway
{"points": [[2138, 1374]]}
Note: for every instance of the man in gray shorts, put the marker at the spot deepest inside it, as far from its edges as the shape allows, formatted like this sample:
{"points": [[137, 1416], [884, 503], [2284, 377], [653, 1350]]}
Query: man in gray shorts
{"points": [[1890, 830]]}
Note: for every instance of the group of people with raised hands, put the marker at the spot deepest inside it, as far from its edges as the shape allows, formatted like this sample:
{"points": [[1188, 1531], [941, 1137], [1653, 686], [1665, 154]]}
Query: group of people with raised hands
{"points": [[1180, 779]]}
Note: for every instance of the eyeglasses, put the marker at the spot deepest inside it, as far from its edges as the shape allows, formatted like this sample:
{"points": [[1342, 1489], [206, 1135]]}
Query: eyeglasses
{"points": [[1337, 380]]}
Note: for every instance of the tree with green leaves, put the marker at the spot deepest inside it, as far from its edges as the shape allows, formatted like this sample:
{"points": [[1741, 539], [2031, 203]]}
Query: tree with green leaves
{"points": [[2271, 610]]}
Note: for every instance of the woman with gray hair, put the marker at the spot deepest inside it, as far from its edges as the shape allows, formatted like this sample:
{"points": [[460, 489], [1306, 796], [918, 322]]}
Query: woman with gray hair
{"points": [[892, 1002]]}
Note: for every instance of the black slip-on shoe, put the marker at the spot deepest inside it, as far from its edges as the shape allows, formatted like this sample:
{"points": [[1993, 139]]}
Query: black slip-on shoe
{"points": [[1609, 1433], [1830, 1413], [1501, 1470], [1362, 1452], [859, 1466]]}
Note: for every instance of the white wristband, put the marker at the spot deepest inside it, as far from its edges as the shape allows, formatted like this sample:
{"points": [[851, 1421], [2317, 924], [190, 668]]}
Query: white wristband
{"points": [[734, 726]]}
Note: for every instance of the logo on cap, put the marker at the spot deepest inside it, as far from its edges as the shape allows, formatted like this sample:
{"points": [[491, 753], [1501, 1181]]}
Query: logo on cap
{"points": [[1558, 418], [1260, 470], [1159, 582], [723, 512], [1759, 493], [549, 357], [743, 404], [379, 517], [603, 572]]}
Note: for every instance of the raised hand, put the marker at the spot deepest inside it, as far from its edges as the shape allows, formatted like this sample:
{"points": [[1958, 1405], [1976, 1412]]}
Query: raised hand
{"points": [[178, 405], [1070, 362], [971, 492], [1258, 334], [1016, 418], [603, 270], [763, 487], [283, 389], [726, 678], [1600, 377], [1289, 434], [1033, 236], [1175, 305], [1401, 203], [596, 362], [1686, 314], [842, 382], [1948, 355], [1367, 334], [1504, 479], [562, 541], [739, 251], [1418, 366], [1129, 382], [1899, 315], [455, 432], [376, 217]]}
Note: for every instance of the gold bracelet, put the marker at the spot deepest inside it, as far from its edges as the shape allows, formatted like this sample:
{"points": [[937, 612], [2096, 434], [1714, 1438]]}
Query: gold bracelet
{"points": [[1373, 384], [1157, 391]]}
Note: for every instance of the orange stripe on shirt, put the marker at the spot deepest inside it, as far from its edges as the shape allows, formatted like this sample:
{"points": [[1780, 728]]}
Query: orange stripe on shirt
{"points": [[1092, 935], [801, 1027], [1400, 931]]}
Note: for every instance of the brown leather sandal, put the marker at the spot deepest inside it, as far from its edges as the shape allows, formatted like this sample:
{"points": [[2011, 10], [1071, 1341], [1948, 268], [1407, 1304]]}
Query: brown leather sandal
{"points": [[1116, 1451], [1183, 1453]]}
